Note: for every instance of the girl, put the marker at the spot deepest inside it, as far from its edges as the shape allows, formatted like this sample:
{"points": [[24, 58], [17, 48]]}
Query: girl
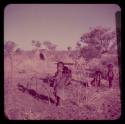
{"points": [[110, 74]]}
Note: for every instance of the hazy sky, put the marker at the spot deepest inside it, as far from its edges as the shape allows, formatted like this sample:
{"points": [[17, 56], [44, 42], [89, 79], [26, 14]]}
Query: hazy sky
{"points": [[63, 24]]}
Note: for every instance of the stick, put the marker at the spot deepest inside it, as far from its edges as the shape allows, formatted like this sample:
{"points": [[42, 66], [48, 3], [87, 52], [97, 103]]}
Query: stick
{"points": [[49, 97]]}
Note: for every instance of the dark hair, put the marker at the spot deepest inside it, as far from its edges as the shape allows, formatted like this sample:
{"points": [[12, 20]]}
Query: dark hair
{"points": [[66, 70], [110, 65], [60, 63], [42, 56], [98, 72]]}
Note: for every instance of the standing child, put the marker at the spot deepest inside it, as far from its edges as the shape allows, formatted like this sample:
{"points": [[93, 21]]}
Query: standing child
{"points": [[58, 83], [67, 76], [97, 79], [110, 74]]}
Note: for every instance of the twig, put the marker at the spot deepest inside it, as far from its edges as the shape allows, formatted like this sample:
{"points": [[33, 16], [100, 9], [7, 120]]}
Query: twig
{"points": [[49, 95]]}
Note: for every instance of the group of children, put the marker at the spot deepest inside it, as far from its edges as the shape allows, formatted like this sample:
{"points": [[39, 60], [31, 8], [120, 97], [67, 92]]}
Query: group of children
{"points": [[98, 74], [63, 78]]}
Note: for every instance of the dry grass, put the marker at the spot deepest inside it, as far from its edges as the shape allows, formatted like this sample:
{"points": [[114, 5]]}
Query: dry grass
{"points": [[81, 102]]}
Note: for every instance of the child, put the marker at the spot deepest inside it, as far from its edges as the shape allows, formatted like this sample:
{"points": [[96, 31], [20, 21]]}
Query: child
{"points": [[62, 78], [97, 79], [57, 80], [110, 74], [67, 74]]}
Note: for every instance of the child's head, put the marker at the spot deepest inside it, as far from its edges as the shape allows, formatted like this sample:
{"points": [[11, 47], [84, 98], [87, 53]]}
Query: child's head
{"points": [[110, 66], [98, 73], [60, 66], [67, 72]]}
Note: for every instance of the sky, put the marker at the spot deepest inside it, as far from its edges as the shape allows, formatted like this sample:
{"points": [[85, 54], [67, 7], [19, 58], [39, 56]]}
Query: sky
{"points": [[62, 24]]}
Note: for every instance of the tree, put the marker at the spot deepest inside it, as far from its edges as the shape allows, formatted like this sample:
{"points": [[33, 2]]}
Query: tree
{"points": [[8, 52], [36, 43], [78, 45], [9, 48], [18, 50], [49, 45], [69, 48], [90, 52], [98, 40]]}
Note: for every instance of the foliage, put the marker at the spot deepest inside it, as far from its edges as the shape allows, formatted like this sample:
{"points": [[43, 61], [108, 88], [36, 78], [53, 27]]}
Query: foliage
{"points": [[36, 43], [49, 45], [9, 47], [69, 48], [99, 40]]}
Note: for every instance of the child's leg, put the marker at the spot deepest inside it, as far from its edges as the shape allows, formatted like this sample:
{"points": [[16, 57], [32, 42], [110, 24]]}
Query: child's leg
{"points": [[99, 83], [110, 83], [58, 100], [56, 97], [93, 82]]}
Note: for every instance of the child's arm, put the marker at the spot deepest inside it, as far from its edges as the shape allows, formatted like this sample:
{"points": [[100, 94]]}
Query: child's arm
{"points": [[68, 79], [112, 74], [54, 78]]}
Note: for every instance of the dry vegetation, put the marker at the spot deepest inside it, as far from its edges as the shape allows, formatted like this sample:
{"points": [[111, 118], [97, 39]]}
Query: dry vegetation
{"points": [[80, 102]]}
